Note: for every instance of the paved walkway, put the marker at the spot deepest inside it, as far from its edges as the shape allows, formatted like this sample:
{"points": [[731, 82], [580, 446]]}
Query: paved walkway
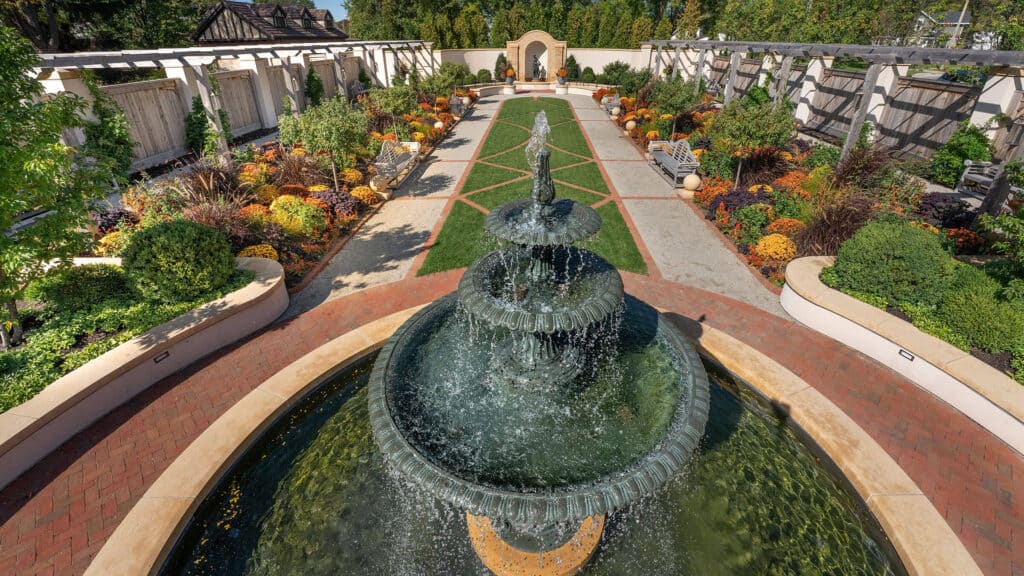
{"points": [[55, 517]]}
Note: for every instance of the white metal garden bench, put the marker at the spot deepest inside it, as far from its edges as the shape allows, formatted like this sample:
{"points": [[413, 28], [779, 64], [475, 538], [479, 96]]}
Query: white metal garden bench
{"points": [[978, 177], [673, 160], [395, 157]]}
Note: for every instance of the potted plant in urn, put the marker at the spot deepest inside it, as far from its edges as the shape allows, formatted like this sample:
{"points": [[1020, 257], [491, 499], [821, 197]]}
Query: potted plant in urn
{"points": [[510, 75], [562, 75]]}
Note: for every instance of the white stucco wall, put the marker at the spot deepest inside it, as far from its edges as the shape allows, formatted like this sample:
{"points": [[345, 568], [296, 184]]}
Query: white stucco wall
{"points": [[476, 58], [598, 58]]}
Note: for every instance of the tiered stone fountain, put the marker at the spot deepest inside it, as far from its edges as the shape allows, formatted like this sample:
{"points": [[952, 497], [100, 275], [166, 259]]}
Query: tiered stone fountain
{"points": [[538, 398]]}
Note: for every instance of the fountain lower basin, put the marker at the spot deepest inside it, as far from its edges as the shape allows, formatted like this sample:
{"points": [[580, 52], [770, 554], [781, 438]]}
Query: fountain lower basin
{"points": [[536, 457]]}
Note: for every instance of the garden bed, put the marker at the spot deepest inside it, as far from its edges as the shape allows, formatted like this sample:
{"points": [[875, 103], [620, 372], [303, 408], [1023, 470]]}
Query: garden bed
{"points": [[54, 394], [982, 392]]}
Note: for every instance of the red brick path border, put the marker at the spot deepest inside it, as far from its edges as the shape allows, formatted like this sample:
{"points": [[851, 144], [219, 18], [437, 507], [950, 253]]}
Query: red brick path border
{"points": [[57, 516]]}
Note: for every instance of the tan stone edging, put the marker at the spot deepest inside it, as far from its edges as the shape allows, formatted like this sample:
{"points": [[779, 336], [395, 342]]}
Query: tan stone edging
{"points": [[984, 394], [33, 429], [141, 543]]}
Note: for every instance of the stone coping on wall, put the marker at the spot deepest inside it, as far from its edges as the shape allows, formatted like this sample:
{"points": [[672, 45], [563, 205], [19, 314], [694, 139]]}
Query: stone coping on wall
{"points": [[983, 393], [33, 429], [141, 543]]}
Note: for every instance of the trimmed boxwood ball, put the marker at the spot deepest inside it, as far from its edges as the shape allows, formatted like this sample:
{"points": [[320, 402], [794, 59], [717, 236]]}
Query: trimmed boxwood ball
{"points": [[178, 260], [895, 261]]}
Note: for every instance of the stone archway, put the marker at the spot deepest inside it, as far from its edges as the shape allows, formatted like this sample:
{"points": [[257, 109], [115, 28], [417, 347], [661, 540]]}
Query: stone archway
{"points": [[550, 54]]}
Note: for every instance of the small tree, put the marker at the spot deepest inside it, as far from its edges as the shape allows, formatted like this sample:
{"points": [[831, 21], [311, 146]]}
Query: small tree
{"points": [[500, 65], [39, 172], [108, 138], [573, 67], [333, 127], [314, 88]]}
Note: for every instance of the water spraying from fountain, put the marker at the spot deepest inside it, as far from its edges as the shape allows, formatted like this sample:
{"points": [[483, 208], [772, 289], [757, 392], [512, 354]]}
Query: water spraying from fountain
{"points": [[538, 398]]}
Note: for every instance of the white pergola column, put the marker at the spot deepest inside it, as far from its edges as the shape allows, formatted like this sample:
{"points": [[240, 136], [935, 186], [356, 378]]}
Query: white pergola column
{"points": [[340, 80], [195, 79], [809, 87], [767, 67], [782, 79], [734, 69], [888, 80], [997, 97], [58, 81], [675, 64], [297, 67]]}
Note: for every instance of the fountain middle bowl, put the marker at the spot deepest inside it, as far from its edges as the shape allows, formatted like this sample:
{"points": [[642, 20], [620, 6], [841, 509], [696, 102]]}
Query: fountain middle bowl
{"points": [[580, 290], [536, 457]]}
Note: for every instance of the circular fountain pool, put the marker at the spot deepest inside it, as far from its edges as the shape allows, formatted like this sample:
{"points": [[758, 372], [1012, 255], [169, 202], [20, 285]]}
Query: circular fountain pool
{"points": [[313, 497]]}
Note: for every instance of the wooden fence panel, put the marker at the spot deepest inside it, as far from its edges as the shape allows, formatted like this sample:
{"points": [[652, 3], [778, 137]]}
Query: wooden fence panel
{"points": [[325, 69], [156, 115], [795, 82], [238, 99], [278, 88], [720, 71], [1009, 141], [835, 101], [922, 114], [746, 76]]}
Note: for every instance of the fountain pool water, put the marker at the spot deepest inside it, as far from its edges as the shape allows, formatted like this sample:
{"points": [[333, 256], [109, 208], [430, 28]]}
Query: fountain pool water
{"points": [[314, 497]]}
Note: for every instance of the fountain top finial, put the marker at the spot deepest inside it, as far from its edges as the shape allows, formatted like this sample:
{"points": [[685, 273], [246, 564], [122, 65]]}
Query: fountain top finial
{"points": [[538, 140]]}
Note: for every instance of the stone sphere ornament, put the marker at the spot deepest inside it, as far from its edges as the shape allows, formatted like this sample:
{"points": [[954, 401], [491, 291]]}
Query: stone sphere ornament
{"points": [[691, 182], [616, 111], [466, 100], [378, 183], [439, 125], [631, 125]]}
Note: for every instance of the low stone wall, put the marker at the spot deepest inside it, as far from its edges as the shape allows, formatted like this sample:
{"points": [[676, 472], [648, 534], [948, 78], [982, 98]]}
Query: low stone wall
{"points": [[925, 543], [34, 429], [992, 399]]}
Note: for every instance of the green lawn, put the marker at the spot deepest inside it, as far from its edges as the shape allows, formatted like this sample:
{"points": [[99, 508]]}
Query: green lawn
{"points": [[462, 238]]}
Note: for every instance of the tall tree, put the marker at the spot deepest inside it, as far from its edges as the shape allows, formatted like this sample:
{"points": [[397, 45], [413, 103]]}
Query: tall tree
{"points": [[623, 37], [575, 22], [557, 20], [499, 29], [470, 28], [663, 31], [642, 30], [536, 17], [39, 173], [517, 24], [689, 21]]}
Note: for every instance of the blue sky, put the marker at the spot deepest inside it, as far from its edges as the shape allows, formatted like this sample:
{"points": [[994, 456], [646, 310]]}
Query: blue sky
{"points": [[337, 10]]}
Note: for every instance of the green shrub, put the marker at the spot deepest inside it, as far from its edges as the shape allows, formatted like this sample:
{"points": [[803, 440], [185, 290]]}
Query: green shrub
{"points": [[588, 75], [573, 68], [792, 205], [500, 65], [674, 96], [925, 319], [196, 126], [448, 75], [79, 287], [749, 127], [314, 89], [178, 260], [752, 221], [968, 142], [396, 100], [971, 307], [822, 155], [895, 261], [718, 162], [483, 76]]}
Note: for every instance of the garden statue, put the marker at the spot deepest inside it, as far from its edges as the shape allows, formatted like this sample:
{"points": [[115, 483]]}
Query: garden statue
{"points": [[536, 67]]}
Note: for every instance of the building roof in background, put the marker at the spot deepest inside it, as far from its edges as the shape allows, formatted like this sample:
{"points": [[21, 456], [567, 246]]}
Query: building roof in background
{"points": [[231, 22]]}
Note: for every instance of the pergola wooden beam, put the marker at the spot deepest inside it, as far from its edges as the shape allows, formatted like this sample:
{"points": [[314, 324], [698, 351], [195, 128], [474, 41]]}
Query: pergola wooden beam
{"points": [[135, 59], [857, 122], [879, 54]]}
